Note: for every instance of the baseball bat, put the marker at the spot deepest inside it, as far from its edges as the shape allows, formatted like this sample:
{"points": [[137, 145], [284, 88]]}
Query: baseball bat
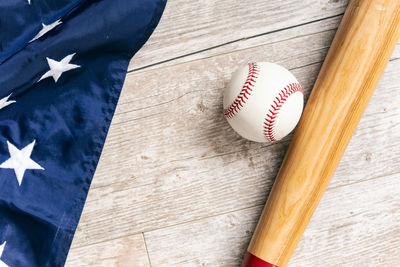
{"points": [[363, 44]]}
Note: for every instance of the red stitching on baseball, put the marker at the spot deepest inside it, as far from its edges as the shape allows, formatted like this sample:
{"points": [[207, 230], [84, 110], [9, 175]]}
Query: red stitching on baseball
{"points": [[275, 108], [244, 94]]}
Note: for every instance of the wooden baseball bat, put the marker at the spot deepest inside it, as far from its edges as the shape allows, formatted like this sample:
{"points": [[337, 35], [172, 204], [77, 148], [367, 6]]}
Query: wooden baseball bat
{"points": [[358, 55]]}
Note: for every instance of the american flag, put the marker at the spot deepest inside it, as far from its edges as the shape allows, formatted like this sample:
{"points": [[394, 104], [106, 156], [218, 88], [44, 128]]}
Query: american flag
{"points": [[62, 67]]}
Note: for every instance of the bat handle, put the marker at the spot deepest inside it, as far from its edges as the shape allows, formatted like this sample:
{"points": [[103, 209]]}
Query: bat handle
{"points": [[364, 42]]}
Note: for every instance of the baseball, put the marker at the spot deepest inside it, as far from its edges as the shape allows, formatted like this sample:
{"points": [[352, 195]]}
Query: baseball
{"points": [[263, 102]]}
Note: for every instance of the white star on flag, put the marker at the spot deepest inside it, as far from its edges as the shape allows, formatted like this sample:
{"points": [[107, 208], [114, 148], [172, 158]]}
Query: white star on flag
{"points": [[45, 29], [2, 264], [20, 160], [4, 101], [59, 67]]}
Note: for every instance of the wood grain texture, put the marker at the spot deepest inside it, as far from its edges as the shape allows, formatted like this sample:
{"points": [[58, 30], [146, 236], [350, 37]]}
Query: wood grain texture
{"points": [[344, 224], [171, 159], [190, 31], [129, 251], [362, 47]]}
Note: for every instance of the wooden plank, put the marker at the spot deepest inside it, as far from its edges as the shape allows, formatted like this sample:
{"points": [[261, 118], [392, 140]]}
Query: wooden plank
{"points": [[355, 225], [123, 252], [179, 161], [190, 30]]}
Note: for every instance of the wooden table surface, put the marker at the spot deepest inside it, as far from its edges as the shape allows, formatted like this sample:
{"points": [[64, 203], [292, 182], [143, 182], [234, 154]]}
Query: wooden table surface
{"points": [[176, 186]]}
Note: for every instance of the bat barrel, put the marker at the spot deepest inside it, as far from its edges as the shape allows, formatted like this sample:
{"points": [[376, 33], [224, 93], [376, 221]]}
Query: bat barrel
{"points": [[358, 55]]}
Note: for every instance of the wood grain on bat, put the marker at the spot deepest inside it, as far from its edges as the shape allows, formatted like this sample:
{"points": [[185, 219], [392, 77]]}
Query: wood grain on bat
{"points": [[359, 53]]}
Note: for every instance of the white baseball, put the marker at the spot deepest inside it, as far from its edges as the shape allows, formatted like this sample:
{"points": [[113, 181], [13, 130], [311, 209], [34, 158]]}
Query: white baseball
{"points": [[263, 102]]}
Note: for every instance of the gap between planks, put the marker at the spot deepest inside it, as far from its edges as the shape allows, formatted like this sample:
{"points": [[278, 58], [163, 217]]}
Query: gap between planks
{"points": [[227, 212], [339, 16], [188, 27]]}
